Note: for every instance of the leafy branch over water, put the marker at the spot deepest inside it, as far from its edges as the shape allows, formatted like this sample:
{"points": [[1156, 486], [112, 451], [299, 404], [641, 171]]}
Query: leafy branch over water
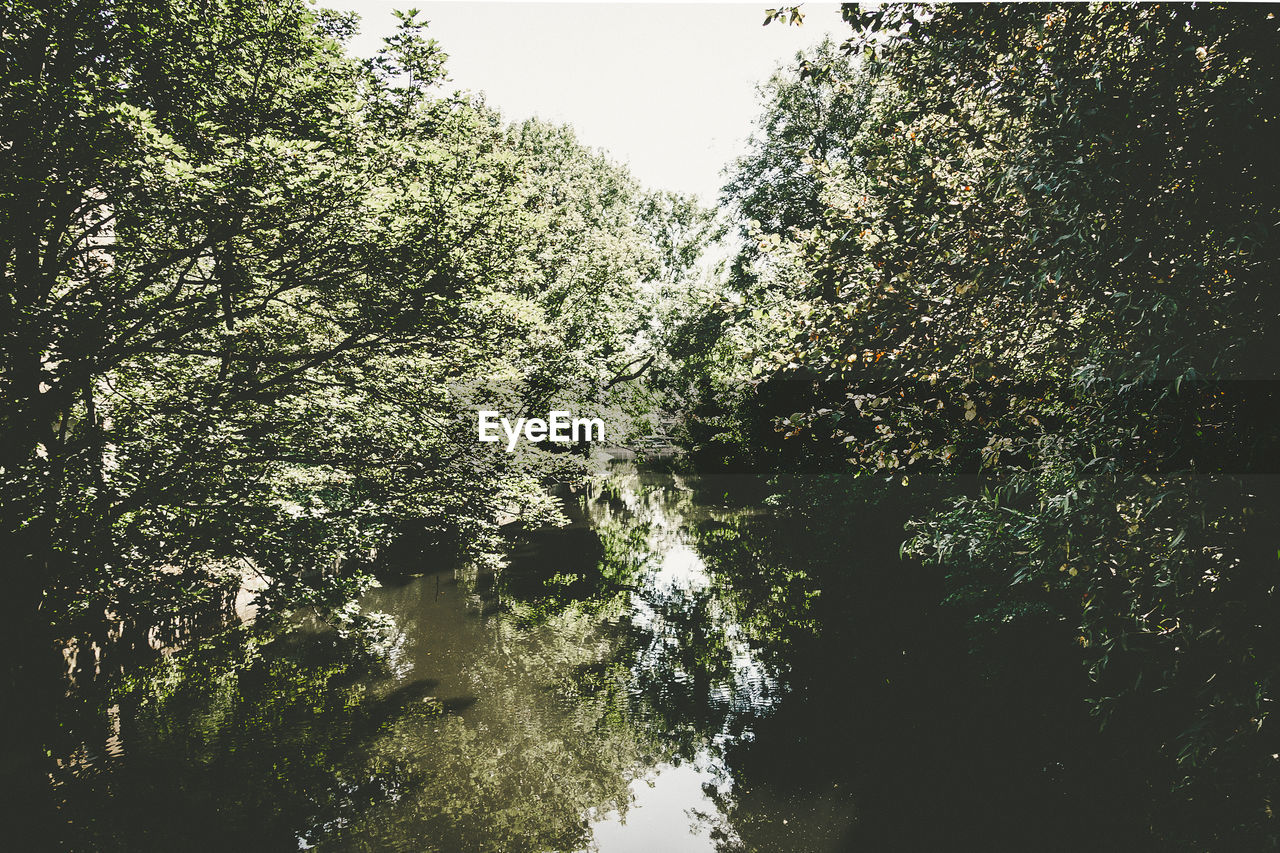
{"points": [[1019, 262]]}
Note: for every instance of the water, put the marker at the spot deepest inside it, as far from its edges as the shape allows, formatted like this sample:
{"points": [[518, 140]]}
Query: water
{"points": [[680, 669]]}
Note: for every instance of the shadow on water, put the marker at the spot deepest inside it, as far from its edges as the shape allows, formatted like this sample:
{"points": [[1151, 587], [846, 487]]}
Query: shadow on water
{"points": [[680, 669]]}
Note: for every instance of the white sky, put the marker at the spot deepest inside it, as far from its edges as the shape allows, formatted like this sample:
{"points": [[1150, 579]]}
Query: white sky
{"points": [[667, 88]]}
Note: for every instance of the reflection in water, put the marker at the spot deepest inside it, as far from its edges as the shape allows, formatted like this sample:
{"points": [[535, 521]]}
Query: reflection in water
{"points": [[679, 669], [591, 695]]}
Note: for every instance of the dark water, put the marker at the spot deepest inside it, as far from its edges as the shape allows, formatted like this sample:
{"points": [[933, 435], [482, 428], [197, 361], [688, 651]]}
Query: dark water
{"points": [[681, 669]]}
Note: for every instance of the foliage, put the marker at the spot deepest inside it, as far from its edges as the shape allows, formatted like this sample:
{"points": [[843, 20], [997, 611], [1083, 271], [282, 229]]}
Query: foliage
{"points": [[1040, 263], [256, 289]]}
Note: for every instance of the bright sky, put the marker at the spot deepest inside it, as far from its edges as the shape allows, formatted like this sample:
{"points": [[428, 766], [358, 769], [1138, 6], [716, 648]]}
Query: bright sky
{"points": [[668, 88]]}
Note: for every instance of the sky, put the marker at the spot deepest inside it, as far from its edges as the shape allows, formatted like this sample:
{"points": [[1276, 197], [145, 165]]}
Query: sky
{"points": [[667, 88]]}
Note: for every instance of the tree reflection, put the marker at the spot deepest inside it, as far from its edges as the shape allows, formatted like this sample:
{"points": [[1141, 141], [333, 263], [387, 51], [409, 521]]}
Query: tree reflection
{"points": [[519, 706]]}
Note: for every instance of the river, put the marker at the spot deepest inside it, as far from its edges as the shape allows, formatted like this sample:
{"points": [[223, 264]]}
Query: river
{"points": [[681, 668]]}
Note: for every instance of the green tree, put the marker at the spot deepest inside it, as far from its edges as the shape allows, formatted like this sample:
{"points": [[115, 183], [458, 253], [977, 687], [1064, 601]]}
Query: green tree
{"points": [[255, 291], [1042, 257]]}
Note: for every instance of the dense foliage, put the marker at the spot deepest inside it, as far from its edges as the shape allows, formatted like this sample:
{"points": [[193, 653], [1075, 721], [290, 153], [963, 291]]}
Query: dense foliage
{"points": [[254, 292], [1030, 251], [1009, 269]]}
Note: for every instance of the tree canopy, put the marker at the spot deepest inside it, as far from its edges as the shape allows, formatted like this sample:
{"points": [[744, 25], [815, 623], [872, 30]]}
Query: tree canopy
{"points": [[255, 290], [1028, 251]]}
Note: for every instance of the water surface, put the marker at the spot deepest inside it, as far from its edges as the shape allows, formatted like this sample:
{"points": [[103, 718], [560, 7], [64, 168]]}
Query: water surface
{"points": [[680, 669]]}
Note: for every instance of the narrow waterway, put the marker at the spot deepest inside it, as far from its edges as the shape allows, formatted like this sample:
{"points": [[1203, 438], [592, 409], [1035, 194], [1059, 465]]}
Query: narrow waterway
{"points": [[679, 669]]}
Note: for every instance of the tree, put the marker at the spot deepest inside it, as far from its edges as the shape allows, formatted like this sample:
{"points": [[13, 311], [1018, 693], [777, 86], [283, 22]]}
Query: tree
{"points": [[255, 291], [1040, 259]]}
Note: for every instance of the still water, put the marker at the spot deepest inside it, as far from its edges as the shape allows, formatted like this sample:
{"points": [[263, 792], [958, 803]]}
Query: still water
{"points": [[602, 690], [679, 669]]}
